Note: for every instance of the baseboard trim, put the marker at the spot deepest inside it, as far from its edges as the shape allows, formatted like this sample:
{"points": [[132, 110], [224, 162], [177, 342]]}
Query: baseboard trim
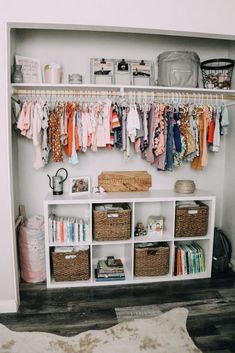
{"points": [[8, 306], [232, 262]]}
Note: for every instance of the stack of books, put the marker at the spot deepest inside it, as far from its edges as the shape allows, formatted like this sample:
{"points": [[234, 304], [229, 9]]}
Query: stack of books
{"points": [[110, 272], [67, 229], [189, 259]]}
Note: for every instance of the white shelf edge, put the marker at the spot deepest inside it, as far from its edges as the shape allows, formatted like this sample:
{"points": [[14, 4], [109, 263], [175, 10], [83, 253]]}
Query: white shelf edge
{"points": [[192, 238], [151, 240], [111, 242], [164, 195], [66, 284], [191, 276], [135, 280], [85, 243], [119, 87]]}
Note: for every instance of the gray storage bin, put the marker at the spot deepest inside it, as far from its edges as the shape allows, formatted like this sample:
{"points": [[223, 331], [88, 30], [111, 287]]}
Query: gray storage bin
{"points": [[178, 69]]}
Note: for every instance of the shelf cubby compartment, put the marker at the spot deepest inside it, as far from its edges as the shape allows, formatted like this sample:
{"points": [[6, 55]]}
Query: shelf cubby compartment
{"points": [[163, 209], [119, 251], [194, 220], [152, 261], [69, 224], [192, 259], [109, 223], [70, 265]]}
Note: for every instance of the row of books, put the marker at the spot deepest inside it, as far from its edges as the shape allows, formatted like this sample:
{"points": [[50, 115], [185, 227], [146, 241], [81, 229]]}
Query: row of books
{"points": [[189, 259], [67, 229], [107, 271]]}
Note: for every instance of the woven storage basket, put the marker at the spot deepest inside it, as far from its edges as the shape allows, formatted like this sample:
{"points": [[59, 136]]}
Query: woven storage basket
{"points": [[115, 225], [152, 261], [71, 266], [191, 221]]}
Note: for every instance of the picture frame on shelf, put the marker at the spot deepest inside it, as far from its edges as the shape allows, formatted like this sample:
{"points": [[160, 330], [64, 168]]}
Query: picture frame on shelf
{"points": [[102, 71], [122, 72], [79, 185], [142, 73], [31, 69]]}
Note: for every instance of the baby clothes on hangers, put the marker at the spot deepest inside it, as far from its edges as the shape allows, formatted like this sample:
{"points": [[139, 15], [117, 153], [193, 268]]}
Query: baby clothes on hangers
{"points": [[201, 161], [37, 135], [64, 127], [167, 136], [70, 115], [54, 133], [73, 159], [133, 123], [224, 120], [45, 124], [148, 152], [158, 136], [215, 146], [24, 119]]}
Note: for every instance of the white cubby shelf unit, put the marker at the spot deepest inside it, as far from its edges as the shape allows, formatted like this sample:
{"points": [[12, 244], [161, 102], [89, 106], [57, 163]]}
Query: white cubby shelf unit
{"points": [[143, 204]]}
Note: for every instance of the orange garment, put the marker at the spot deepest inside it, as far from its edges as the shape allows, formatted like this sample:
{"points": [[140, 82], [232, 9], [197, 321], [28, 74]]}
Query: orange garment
{"points": [[54, 133], [76, 135], [202, 160], [211, 129], [69, 112]]}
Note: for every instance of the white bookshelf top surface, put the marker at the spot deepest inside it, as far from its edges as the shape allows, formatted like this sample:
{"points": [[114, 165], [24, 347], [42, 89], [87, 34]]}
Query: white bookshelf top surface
{"points": [[148, 196]]}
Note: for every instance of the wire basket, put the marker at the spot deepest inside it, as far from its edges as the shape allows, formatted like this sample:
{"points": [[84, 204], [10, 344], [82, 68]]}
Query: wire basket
{"points": [[217, 73]]}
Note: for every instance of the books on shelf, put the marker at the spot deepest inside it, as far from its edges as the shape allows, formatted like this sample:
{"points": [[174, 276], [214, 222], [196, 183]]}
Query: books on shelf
{"points": [[109, 272], [67, 229], [189, 259]]}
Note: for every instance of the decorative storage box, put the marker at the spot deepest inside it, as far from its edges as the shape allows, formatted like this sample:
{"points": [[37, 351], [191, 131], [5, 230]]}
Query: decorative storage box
{"points": [[71, 266], [112, 223], [125, 181], [178, 69], [152, 260], [192, 220]]}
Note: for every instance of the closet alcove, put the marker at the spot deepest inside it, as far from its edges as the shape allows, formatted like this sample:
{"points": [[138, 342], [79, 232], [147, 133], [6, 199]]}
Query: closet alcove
{"points": [[73, 49]]}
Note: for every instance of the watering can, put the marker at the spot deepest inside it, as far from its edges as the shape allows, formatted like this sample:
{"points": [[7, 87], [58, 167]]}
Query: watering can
{"points": [[56, 182]]}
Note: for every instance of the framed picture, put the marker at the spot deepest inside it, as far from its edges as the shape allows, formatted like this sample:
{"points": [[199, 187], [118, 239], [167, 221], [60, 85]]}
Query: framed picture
{"points": [[102, 71], [142, 73], [79, 185], [122, 72], [31, 69]]}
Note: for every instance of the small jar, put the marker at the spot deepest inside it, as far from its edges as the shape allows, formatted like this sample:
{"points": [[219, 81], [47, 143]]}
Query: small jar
{"points": [[75, 79], [17, 76]]}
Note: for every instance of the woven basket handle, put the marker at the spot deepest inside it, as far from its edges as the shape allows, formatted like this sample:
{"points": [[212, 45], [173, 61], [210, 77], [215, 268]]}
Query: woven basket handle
{"points": [[151, 252], [112, 214], [70, 257], [192, 211]]}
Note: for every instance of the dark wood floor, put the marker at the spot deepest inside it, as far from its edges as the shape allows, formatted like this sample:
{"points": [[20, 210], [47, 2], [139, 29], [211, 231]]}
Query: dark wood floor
{"points": [[211, 321]]}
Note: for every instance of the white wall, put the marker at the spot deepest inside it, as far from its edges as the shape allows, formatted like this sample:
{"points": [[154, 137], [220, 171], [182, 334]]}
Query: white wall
{"points": [[73, 50], [200, 18], [229, 188], [8, 279]]}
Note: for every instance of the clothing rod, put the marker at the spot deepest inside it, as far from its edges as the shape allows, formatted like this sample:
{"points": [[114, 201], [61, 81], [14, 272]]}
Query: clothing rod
{"points": [[131, 94]]}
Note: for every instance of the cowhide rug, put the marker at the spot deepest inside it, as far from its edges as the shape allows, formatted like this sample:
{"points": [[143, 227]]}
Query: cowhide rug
{"points": [[165, 333]]}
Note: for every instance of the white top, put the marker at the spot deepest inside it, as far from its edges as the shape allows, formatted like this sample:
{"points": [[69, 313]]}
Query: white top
{"points": [[144, 196]]}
